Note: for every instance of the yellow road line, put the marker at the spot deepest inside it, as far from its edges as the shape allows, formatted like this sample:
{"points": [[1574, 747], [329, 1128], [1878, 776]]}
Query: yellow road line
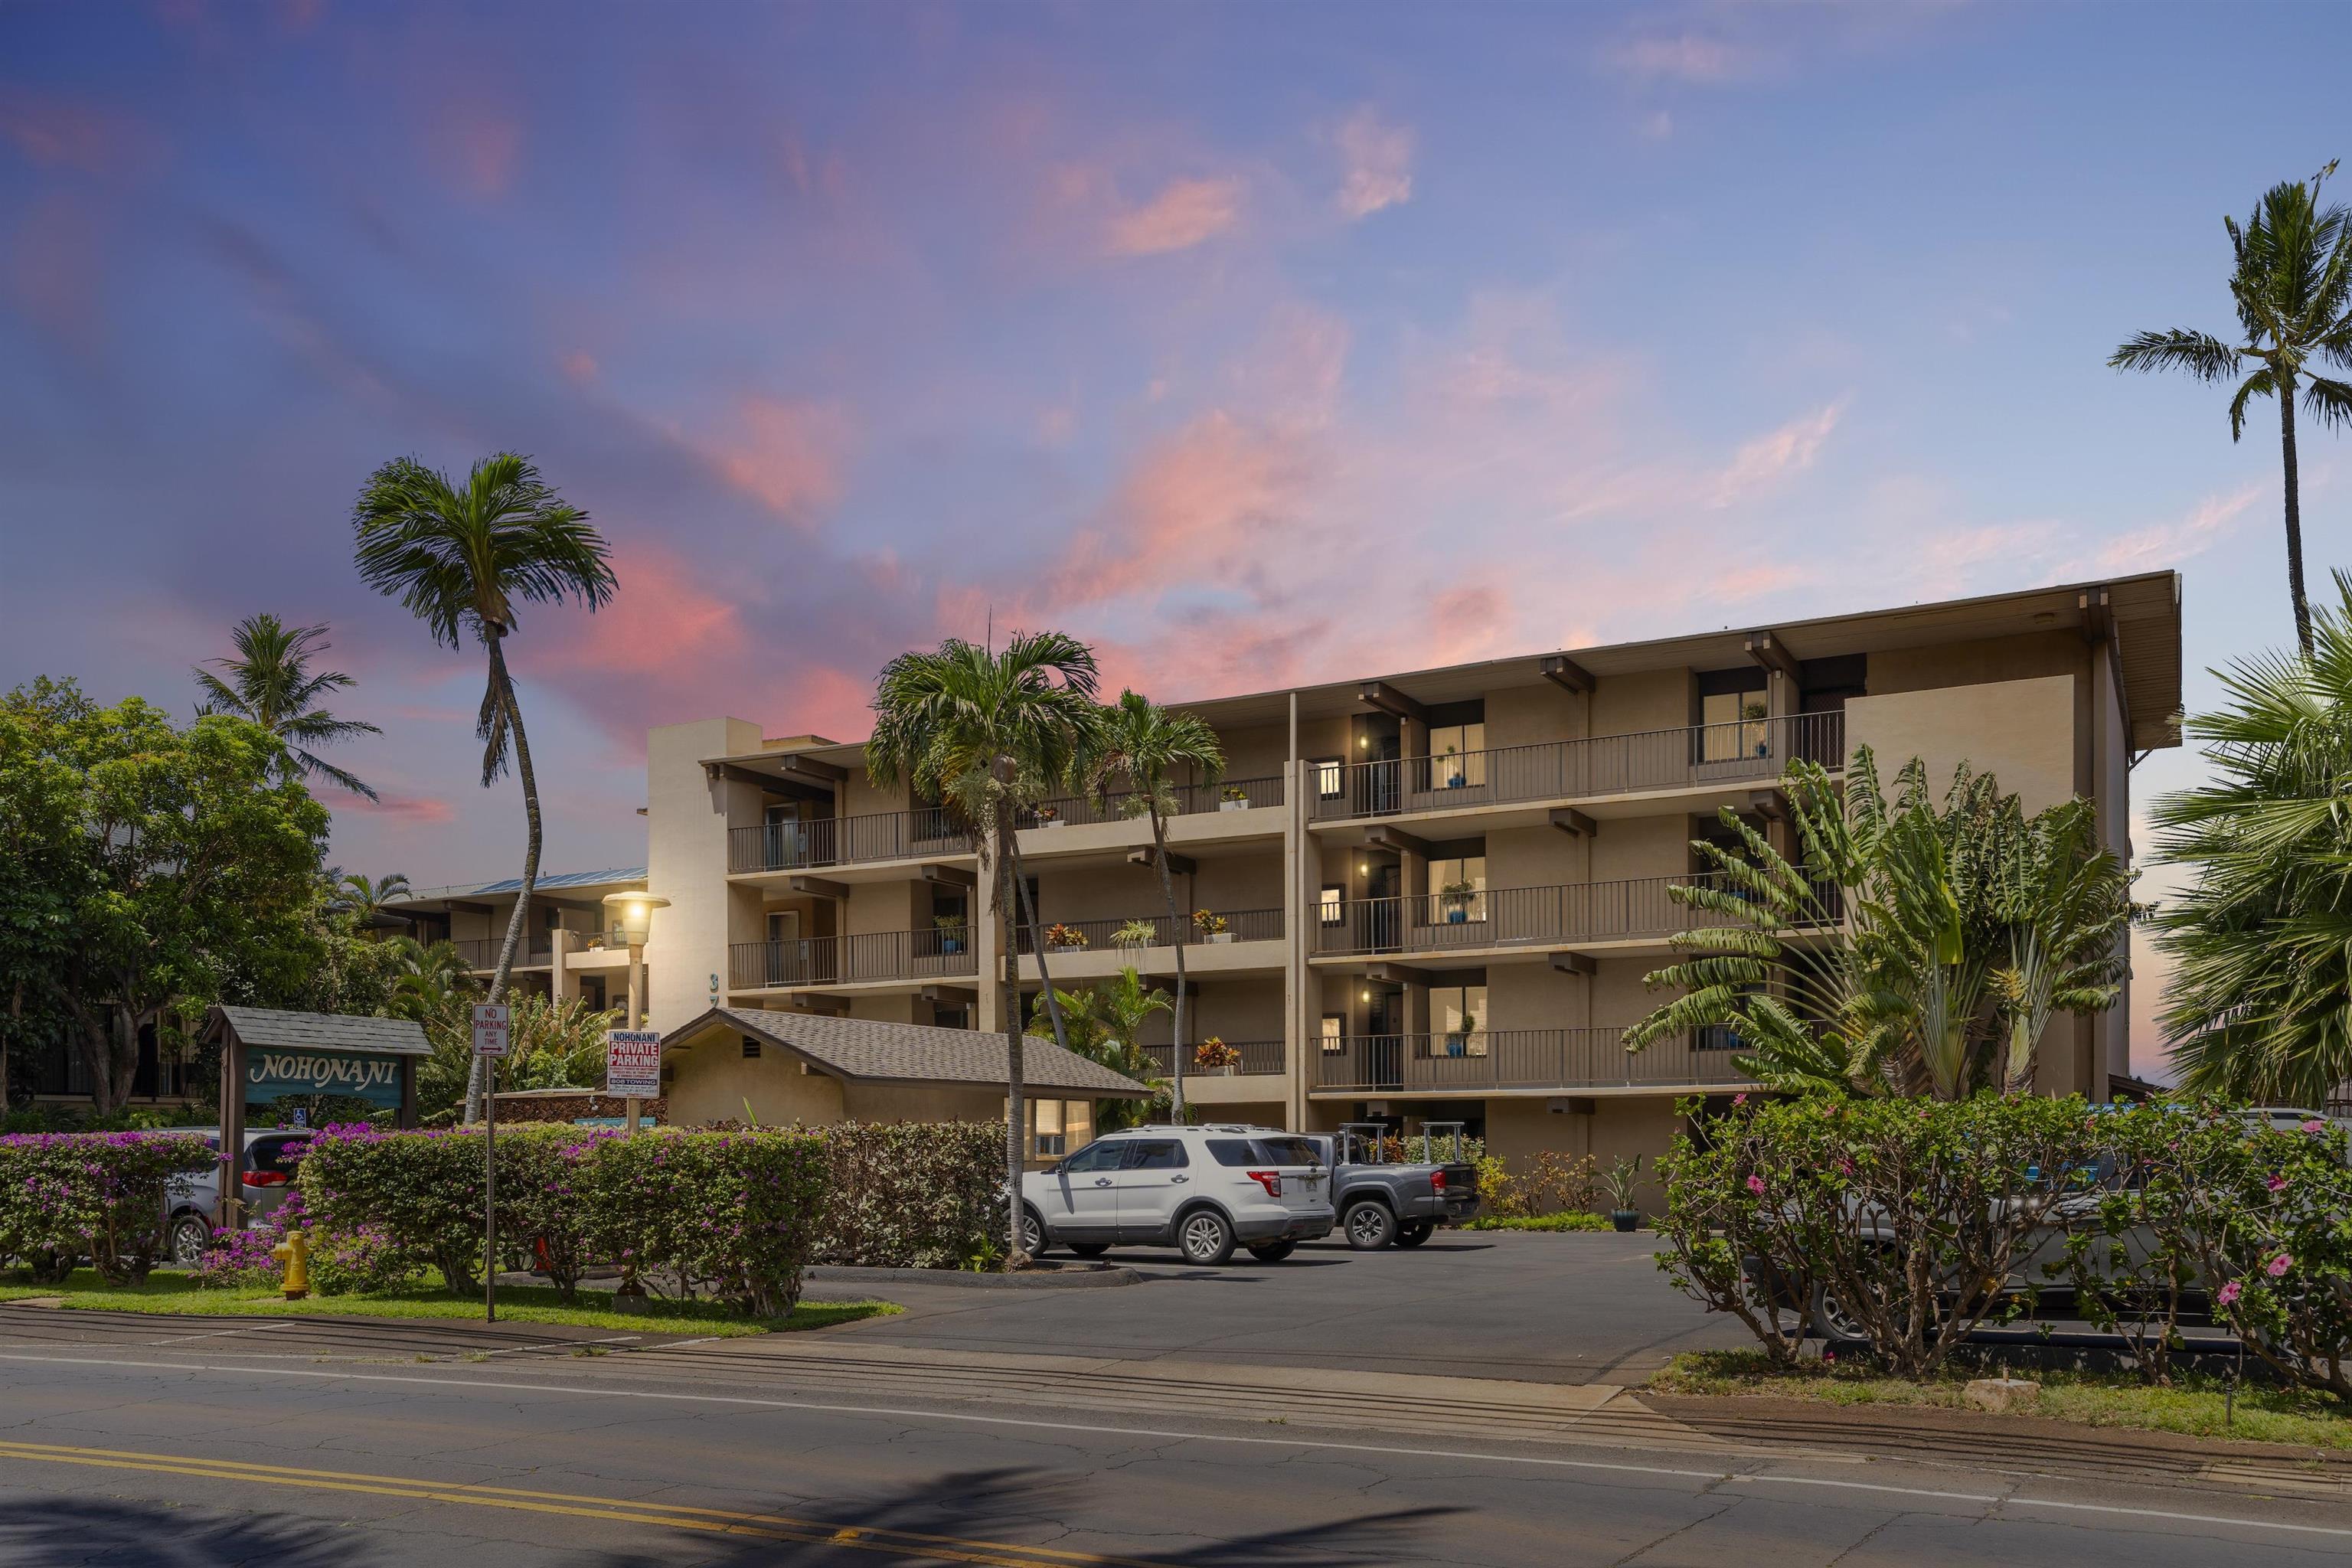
{"points": [[722, 1521]]}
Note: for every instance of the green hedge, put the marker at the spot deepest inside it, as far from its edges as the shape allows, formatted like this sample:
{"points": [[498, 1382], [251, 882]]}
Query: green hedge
{"points": [[911, 1195], [68, 1195]]}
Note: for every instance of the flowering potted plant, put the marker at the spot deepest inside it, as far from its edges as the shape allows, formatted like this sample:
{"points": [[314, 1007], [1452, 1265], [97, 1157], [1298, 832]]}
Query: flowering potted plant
{"points": [[1213, 927], [1059, 935], [1452, 770], [950, 928], [1212, 1055], [1048, 816], [1136, 934], [1233, 797]]}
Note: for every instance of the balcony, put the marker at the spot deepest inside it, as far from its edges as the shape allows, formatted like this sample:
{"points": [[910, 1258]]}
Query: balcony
{"points": [[1749, 751], [1536, 919], [1081, 936], [481, 954], [1259, 1058], [1229, 794], [816, 843], [1523, 1061], [869, 958], [1089, 950]]}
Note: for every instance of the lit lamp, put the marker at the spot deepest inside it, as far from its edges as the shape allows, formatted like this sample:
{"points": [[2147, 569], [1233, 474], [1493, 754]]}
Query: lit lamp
{"points": [[629, 920]]}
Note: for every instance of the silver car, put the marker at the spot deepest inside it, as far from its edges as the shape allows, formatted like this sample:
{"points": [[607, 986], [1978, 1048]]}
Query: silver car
{"points": [[191, 1203], [1202, 1190]]}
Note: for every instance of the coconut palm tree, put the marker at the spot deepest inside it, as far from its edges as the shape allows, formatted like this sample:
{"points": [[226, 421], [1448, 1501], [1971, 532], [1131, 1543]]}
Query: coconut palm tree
{"points": [[2263, 942], [986, 733], [1105, 1025], [269, 682], [2292, 285], [1139, 749], [355, 895], [461, 559]]}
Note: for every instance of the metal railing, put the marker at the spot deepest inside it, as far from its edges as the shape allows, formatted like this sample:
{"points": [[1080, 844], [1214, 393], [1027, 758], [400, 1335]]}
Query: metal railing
{"points": [[1258, 1058], [1575, 769], [849, 960], [1518, 1059], [1190, 800], [1532, 916], [814, 842], [1240, 925], [482, 953]]}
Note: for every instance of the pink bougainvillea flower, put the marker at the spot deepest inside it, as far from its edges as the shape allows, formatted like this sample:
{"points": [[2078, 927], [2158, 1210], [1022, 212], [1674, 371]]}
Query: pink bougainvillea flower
{"points": [[1756, 1185], [2280, 1265], [2314, 1125], [2275, 1183], [1739, 1099], [2230, 1293]]}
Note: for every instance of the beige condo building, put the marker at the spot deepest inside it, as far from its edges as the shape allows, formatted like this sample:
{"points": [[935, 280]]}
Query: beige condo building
{"points": [[1436, 893]]}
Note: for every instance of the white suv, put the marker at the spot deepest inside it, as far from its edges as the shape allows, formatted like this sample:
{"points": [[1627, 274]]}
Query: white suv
{"points": [[1202, 1190]]}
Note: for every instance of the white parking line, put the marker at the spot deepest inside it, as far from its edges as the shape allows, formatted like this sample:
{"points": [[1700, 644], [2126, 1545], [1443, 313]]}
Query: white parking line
{"points": [[1986, 1500]]}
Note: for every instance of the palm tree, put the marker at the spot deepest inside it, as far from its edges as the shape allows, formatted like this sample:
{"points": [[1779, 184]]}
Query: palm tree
{"points": [[985, 733], [364, 900], [1105, 1025], [2292, 285], [2262, 943], [269, 682], [1141, 746], [460, 560], [423, 977]]}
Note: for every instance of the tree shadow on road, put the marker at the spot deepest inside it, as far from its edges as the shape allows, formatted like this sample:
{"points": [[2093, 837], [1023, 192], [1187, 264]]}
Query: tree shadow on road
{"points": [[109, 1531]]}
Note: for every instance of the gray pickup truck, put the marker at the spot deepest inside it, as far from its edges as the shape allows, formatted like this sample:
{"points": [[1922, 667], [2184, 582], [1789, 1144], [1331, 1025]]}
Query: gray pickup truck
{"points": [[1382, 1202]]}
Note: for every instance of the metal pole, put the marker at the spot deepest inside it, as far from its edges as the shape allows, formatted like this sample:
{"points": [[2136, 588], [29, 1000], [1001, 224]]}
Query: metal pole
{"points": [[636, 985], [490, 1195]]}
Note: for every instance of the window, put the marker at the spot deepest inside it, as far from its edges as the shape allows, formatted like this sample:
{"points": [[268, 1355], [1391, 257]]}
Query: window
{"points": [[1329, 778], [1731, 709], [1104, 1156], [1457, 889], [1457, 756], [1052, 1129], [1333, 904], [1289, 1151], [1156, 1154], [1335, 1033], [1457, 1019]]}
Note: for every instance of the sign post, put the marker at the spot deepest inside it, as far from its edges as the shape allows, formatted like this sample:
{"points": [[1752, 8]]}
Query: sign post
{"points": [[492, 1020], [633, 1067]]}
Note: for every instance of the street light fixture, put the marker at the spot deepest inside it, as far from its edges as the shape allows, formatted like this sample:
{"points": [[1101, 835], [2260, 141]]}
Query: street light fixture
{"points": [[629, 920]]}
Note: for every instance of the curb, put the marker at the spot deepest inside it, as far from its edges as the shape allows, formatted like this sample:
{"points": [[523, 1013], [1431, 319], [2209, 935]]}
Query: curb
{"points": [[1099, 1277]]}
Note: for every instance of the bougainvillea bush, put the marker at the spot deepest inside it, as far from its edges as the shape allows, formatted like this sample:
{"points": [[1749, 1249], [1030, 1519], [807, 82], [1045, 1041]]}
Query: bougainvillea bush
{"points": [[421, 1191], [65, 1196], [911, 1195]]}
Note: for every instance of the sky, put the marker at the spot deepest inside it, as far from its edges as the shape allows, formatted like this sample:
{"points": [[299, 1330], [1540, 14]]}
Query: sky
{"points": [[1256, 345]]}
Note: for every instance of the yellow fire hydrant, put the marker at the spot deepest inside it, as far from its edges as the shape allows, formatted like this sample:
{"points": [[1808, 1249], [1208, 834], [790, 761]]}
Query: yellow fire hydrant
{"points": [[294, 1252]]}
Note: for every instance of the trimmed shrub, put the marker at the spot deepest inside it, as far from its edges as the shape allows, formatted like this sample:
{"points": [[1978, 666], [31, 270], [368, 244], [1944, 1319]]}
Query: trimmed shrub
{"points": [[68, 1195], [911, 1195], [421, 1191], [733, 1213]]}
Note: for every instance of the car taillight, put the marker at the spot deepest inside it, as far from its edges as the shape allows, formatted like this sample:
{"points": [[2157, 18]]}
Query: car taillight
{"points": [[264, 1178], [1270, 1180], [1437, 1180]]}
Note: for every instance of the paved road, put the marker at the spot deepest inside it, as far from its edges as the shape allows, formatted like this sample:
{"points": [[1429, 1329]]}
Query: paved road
{"points": [[191, 1456], [1537, 1307]]}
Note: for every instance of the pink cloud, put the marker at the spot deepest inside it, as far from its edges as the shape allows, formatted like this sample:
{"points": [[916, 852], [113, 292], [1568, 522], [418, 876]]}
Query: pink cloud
{"points": [[2168, 543], [1379, 163], [1186, 214], [1767, 459], [787, 456], [479, 152], [579, 365], [55, 133], [408, 810], [1683, 57]]}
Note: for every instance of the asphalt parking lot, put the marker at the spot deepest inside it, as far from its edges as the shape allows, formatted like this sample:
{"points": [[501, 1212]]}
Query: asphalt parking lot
{"points": [[1581, 1308]]}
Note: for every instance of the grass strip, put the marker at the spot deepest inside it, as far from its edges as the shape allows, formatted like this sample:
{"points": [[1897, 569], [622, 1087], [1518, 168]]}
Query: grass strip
{"points": [[2194, 1405], [1570, 1221], [168, 1292]]}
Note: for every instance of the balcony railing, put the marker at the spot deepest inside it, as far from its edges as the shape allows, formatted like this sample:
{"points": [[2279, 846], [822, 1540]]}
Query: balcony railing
{"points": [[1240, 925], [1190, 800], [849, 960], [1525, 1059], [1258, 1058], [1531, 917], [482, 953], [1576, 770], [815, 842]]}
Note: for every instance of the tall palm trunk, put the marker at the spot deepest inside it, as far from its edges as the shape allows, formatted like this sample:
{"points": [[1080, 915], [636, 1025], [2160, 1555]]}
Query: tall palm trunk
{"points": [[1176, 931], [2293, 515], [503, 686], [1038, 938], [1009, 984]]}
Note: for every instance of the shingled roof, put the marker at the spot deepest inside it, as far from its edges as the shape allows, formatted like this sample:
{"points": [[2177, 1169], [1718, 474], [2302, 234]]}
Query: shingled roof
{"points": [[869, 1048], [269, 1028]]}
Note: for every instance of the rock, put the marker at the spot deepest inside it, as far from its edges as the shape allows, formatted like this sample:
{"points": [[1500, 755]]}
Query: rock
{"points": [[2001, 1394]]}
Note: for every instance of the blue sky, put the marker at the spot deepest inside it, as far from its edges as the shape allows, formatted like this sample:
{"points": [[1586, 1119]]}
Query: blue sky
{"points": [[852, 325]]}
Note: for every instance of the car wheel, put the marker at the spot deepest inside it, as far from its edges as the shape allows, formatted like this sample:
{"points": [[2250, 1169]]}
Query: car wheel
{"points": [[1835, 1324], [1370, 1225], [1413, 1231], [1273, 1251], [1090, 1249], [1033, 1239], [189, 1236], [1205, 1237]]}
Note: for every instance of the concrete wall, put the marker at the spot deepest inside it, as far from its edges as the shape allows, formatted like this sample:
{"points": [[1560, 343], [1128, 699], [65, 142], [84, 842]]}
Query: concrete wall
{"points": [[2021, 731], [712, 1081], [687, 819]]}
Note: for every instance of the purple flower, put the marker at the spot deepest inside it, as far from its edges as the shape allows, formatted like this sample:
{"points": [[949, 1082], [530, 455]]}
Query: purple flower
{"points": [[2275, 1183], [2230, 1293], [1756, 1185], [2280, 1265]]}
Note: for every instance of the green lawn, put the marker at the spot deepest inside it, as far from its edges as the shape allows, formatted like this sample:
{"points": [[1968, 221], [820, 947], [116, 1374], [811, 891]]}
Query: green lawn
{"points": [[1571, 1221], [166, 1290], [2193, 1405]]}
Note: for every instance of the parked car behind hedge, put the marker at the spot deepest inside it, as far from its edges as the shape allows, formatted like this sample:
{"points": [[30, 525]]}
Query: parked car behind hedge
{"points": [[66, 1196]]}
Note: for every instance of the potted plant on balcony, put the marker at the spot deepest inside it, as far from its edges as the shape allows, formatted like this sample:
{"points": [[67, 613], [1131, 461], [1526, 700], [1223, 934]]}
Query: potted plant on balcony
{"points": [[1213, 927], [1233, 797], [1049, 816], [950, 928], [1136, 935], [1753, 712], [1454, 897], [1212, 1055], [1451, 770], [1064, 938], [1623, 1177], [1457, 1043]]}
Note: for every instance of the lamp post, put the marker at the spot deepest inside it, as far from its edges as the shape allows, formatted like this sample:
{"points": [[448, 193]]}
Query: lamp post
{"points": [[629, 920]]}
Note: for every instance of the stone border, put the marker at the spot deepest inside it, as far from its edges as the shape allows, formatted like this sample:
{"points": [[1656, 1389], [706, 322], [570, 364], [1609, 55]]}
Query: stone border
{"points": [[1096, 1277]]}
